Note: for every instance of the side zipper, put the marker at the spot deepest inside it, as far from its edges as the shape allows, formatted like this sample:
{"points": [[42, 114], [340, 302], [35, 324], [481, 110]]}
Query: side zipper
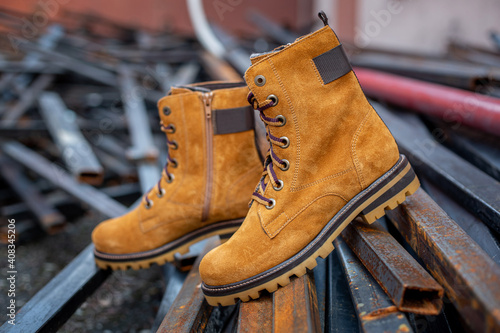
{"points": [[209, 132]]}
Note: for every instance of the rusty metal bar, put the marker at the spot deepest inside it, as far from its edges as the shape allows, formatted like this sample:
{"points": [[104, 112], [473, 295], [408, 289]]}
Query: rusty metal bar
{"points": [[340, 313], [28, 98], [467, 273], [296, 306], [477, 148], [256, 315], [478, 231], [59, 177], [75, 150], [293, 308], [49, 218], [58, 300], [190, 311], [175, 279], [474, 189], [450, 104], [409, 286], [143, 149], [375, 310]]}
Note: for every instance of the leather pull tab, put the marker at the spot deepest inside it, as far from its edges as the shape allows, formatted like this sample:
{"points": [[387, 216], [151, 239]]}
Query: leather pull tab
{"points": [[323, 17]]}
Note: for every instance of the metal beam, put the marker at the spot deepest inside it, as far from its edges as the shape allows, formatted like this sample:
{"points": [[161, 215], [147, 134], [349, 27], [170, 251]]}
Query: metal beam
{"points": [[467, 273], [59, 177], [190, 311], [74, 148], [451, 104], [409, 286], [475, 190], [375, 310]]}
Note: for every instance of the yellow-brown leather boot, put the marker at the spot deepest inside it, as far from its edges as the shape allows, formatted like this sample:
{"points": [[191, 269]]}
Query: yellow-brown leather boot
{"points": [[331, 158], [211, 171]]}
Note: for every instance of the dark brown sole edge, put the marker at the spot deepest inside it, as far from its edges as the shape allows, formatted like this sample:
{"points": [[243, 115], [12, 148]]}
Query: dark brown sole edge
{"points": [[166, 252]]}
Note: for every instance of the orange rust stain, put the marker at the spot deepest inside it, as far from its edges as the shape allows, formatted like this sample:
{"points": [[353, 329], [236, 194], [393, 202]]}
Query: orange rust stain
{"points": [[380, 313], [403, 328]]}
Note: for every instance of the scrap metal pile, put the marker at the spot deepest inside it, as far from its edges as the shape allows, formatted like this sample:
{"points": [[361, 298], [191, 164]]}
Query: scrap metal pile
{"points": [[79, 131]]}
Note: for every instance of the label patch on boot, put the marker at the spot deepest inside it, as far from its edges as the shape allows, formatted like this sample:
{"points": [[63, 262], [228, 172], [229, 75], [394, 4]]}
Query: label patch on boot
{"points": [[233, 120], [332, 64]]}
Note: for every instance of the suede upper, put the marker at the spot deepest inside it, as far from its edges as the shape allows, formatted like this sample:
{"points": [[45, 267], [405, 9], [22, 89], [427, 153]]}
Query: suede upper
{"points": [[338, 147], [235, 170]]}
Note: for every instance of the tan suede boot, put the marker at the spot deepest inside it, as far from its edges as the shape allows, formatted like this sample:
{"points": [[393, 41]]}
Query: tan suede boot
{"points": [[331, 159], [205, 187]]}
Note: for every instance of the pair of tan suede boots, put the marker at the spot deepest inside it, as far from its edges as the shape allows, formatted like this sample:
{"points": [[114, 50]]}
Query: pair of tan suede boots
{"points": [[330, 160]]}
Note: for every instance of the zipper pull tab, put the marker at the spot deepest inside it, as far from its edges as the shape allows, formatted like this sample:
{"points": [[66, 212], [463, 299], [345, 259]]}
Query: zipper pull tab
{"points": [[207, 103]]}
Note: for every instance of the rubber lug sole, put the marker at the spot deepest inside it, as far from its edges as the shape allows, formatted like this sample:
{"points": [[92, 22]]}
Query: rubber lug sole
{"points": [[388, 197], [161, 258]]}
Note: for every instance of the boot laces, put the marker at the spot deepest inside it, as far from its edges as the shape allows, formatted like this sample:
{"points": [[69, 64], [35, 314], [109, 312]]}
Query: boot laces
{"points": [[271, 160], [170, 129]]}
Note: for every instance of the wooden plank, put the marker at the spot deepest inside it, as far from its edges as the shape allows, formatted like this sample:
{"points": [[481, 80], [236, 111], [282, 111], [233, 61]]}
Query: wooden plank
{"points": [[470, 277], [190, 311]]}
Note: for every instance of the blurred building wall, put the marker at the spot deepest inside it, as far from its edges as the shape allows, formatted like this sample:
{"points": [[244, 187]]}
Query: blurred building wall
{"points": [[158, 15], [425, 26]]}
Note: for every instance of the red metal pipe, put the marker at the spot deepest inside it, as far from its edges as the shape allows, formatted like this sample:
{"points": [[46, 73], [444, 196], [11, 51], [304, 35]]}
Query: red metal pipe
{"points": [[450, 104]]}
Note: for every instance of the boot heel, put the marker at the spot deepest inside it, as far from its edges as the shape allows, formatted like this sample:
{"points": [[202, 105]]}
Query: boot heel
{"points": [[391, 196]]}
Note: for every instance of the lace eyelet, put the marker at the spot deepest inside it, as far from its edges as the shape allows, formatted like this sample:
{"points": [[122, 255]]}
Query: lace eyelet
{"points": [[272, 204], [161, 194], [174, 145], [170, 178], [148, 205], [166, 111], [287, 165], [282, 120], [174, 162], [274, 99], [280, 187], [172, 129], [287, 142], [260, 80]]}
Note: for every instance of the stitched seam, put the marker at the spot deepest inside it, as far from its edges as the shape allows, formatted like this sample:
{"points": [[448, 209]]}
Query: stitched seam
{"points": [[353, 151], [186, 156], [315, 69], [302, 209], [295, 126], [272, 235], [322, 180], [389, 173], [314, 34]]}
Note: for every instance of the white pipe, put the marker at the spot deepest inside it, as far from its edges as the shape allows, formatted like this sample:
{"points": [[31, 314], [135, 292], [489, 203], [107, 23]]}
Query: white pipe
{"points": [[202, 29]]}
